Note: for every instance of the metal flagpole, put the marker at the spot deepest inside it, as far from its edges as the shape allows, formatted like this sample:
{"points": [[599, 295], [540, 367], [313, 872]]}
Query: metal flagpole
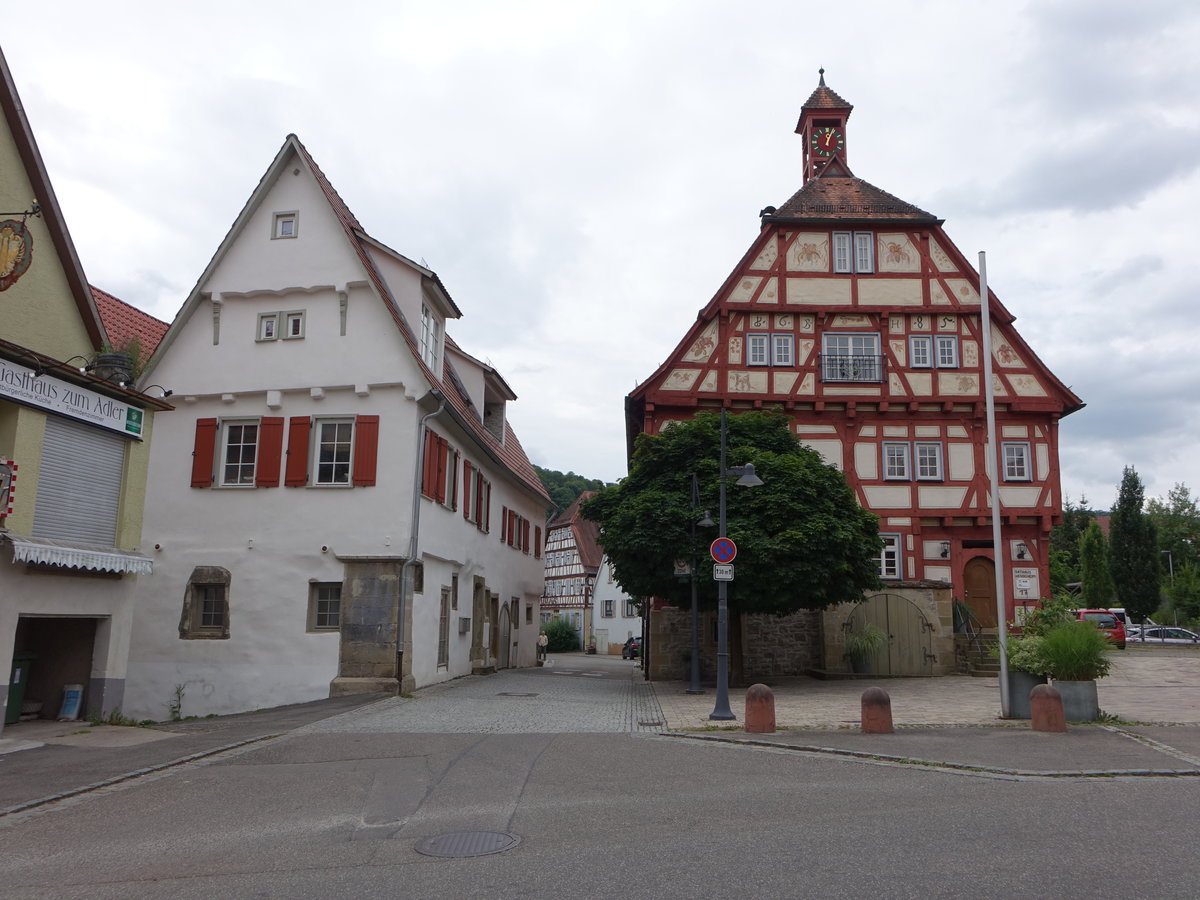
{"points": [[999, 558]]}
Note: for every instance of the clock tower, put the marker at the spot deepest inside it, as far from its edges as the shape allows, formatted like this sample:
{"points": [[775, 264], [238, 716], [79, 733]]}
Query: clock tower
{"points": [[822, 125]]}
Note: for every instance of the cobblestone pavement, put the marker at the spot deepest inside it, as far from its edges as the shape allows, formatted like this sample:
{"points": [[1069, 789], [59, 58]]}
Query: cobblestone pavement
{"points": [[573, 693], [1145, 685]]}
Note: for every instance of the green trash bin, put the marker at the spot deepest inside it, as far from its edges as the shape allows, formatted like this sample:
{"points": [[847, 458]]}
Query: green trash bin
{"points": [[16, 686]]}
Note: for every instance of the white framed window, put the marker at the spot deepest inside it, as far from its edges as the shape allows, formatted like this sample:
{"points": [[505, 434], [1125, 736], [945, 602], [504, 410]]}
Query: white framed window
{"points": [[947, 352], [1016, 461], [783, 350], [268, 326], [851, 357], [631, 609], [431, 337], [854, 251], [864, 251], [842, 261], [928, 461], [889, 556], [896, 462], [770, 350], [325, 606], [757, 349], [920, 352], [286, 225], [333, 451], [239, 453], [293, 325]]}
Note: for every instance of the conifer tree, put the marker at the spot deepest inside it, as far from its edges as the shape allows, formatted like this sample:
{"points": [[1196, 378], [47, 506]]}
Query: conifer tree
{"points": [[1133, 549]]}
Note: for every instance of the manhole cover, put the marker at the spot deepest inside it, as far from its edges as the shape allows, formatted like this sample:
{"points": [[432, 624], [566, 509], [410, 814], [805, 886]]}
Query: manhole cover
{"points": [[462, 844], [514, 694]]}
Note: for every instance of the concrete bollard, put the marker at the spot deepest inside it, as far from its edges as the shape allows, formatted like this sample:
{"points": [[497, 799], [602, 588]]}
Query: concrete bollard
{"points": [[1046, 709], [760, 710], [876, 711]]}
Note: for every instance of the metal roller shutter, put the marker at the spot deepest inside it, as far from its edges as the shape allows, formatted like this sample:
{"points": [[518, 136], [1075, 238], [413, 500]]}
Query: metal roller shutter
{"points": [[79, 486]]}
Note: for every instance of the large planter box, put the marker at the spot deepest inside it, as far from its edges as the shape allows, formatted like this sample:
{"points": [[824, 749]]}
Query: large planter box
{"points": [[1080, 703], [1019, 686]]}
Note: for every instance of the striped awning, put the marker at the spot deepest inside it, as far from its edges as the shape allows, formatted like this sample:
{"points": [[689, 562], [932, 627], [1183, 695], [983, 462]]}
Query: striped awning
{"points": [[69, 555]]}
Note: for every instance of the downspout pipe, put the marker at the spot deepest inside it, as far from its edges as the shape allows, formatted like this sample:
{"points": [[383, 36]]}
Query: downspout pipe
{"points": [[406, 571]]}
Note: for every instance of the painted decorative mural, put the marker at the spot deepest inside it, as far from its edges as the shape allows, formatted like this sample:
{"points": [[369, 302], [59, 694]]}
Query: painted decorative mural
{"points": [[897, 254], [16, 252], [809, 253]]}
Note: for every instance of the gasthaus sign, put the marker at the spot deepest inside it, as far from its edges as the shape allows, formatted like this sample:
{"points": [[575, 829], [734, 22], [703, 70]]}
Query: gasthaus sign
{"points": [[45, 392]]}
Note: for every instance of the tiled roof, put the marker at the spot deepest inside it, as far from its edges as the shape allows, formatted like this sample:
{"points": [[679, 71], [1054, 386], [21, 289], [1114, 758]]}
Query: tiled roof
{"points": [[835, 193], [824, 98], [123, 322], [587, 533]]}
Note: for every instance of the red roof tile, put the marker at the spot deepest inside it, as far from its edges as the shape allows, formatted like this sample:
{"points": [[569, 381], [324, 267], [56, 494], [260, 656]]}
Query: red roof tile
{"points": [[835, 193], [824, 98], [587, 533], [124, 323]]}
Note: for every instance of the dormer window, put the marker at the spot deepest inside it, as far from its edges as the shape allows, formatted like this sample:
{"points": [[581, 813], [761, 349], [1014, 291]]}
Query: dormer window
{"points": [[431, 337], [285, 225]]}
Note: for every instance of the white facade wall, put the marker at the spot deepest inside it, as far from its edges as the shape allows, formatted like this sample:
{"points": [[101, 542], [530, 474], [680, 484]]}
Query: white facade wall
{"points": [[277, 541], [619, 626]]}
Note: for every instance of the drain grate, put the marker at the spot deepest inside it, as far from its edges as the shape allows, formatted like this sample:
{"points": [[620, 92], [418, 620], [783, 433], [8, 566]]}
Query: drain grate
{"points": [[463, 844], [514, 694]]}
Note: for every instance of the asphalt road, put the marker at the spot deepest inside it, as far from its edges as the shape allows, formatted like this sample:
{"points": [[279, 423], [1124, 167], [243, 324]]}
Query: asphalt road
{"points": [[604, 807]]}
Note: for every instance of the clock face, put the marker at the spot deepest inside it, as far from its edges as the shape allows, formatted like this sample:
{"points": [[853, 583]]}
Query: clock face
{"points": [[827, 141]]}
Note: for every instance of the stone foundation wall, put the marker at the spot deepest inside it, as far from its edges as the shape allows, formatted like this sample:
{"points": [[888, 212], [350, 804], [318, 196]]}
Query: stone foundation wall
{"points": [[793, 645], [771, 645]]}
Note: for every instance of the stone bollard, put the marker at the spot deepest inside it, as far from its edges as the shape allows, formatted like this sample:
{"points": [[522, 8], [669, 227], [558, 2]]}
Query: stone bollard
{"points": [[1046, 709], [760, 710], [876, 711]]}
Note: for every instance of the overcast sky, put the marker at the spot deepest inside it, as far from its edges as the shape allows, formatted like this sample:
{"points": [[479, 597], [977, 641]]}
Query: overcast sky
{"points": [[584, 175]]}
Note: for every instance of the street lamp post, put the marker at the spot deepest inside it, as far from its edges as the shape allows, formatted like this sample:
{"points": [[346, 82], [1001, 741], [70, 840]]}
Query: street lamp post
{"points": [[721, 711]]}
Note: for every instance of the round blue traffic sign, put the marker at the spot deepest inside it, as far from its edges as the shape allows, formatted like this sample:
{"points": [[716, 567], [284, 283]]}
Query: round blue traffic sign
{"points": [[723, 550]]}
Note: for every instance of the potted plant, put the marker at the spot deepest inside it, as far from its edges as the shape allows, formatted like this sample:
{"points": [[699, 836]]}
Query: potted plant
{"points": [[861, 647], [1076, 654], [1027, 668]]}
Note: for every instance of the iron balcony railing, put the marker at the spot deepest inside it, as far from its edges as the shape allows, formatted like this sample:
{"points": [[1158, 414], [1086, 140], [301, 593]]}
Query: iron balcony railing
{"points": [[851, 368]]}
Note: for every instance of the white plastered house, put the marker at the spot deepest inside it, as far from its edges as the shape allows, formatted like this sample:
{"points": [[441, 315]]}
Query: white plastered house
{"points": [[339, 503]]}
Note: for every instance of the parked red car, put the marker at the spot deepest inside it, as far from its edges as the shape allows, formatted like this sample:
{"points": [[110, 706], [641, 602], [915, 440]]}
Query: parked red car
{"points": [[1105, 621]]}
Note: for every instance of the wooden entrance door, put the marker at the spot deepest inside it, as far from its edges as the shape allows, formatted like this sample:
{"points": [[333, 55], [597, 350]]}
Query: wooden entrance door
{"points": [[979, 590], [505, 629]]}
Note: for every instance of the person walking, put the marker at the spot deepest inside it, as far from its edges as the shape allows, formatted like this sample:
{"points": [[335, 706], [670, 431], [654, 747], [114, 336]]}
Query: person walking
{"points": [[543, 643]]}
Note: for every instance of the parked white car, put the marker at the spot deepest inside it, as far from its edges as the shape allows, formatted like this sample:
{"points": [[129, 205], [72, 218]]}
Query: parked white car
{"points": [[1163, 634]]}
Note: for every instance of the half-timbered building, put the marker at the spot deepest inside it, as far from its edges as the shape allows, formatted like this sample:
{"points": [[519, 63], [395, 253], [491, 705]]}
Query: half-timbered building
{"points": [[855, 313]]}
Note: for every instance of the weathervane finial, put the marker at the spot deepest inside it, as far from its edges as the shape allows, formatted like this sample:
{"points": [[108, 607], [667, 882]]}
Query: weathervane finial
{"points": [[821, 71]]}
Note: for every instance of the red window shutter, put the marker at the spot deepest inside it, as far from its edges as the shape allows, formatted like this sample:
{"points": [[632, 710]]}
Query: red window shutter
{"points": [[487, 504], [525, 535], [503, 524], [270, 452], [297, 452], [439, 484], [468, 483], [366, 450], [537, 541], [428, 463], [202, 453]]}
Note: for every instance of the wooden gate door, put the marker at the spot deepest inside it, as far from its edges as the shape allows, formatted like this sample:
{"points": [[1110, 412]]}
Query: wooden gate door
{"points": [[979, 589], [502, 661], [908, 651]]}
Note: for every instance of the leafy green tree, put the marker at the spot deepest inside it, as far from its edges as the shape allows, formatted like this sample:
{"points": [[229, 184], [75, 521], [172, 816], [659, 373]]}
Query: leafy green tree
{"points": [[1184, 592], [1098, 591], [1133, 549], [803, 541], [1064, 545], [1177, 520], [563, 488], [561, 636]]}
